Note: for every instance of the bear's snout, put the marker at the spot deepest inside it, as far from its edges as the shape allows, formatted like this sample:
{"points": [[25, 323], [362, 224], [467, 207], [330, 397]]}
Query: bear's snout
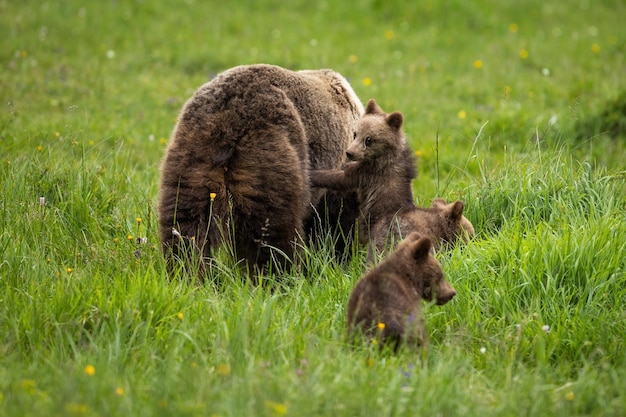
{"points": [[446, 293], [350, 155]]}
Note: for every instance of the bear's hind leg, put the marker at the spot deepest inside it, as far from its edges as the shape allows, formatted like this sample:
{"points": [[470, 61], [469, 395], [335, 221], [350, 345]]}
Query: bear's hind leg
{"points": [[192, 204], [270, 194]]}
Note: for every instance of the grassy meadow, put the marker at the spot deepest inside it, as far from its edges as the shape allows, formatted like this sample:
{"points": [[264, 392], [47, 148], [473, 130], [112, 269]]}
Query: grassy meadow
{"points": [[518, 108]]}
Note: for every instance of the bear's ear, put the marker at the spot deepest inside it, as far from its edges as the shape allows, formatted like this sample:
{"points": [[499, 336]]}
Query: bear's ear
{"points": [[373, 108], [394, 120], [438, 203], [421, 249], [455, 209], [413, 236]]}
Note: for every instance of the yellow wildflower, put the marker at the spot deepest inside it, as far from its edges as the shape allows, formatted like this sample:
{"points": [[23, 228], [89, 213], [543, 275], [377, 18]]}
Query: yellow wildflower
{"points": [[353, 59], [213, 195], [180, 316], [462, 114], [478, 64], [74, 408], [138, 219], [90, 370], [389, 35], [570, 396], [523, 53], [130, 237], [279, 409], [119, 391], [29, 385], [69, 270], [223, 369], [513, 28], [39, 148], [595, 48], [381, 326], [367, 81]]}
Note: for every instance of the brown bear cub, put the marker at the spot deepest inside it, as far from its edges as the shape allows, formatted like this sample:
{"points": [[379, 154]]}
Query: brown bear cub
{"points": [[386, 302], [443, 223], [381, 167]]}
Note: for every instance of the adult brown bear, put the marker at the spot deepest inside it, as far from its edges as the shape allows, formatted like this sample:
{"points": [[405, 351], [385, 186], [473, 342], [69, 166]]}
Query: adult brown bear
{"points": [[237, 166]]}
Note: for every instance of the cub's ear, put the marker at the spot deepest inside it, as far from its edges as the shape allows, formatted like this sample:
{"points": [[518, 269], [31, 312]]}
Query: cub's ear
{"points": [[455, 209], [373, 108], [394, 120], [413, 236], [438, 203], [408, 241], [421, 249]]}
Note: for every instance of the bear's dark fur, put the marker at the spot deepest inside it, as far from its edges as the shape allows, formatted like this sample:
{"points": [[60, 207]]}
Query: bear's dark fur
{"points": [[381, 168], [237, 166], [386, 301]]}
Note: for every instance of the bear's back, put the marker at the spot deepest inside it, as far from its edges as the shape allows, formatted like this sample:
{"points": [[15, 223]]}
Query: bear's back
{"points": [[326, 104]]}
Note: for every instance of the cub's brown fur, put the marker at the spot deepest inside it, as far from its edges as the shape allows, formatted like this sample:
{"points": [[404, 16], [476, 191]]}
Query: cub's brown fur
{"points": [[239, 158], [443, 223], [381, 168], [386, 302]]}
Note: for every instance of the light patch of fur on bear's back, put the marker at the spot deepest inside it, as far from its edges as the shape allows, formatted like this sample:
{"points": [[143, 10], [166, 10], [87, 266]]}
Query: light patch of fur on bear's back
{"points": [[344, 92]]}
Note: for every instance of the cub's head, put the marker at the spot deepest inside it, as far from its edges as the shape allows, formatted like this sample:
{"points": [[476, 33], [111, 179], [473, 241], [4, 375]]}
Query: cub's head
{"points": [[424, 270], [378, 135], [455, 225]]}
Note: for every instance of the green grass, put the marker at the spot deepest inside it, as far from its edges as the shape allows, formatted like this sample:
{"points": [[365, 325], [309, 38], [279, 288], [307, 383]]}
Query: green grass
{"points": [[515, 108]]}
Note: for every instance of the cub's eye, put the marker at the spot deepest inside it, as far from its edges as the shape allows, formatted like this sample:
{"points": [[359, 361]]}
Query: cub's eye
{"points": [[368, 141], [354, 135]]}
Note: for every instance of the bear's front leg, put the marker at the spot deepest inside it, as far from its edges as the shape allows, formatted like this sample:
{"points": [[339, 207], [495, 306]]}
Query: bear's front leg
{"points": [[334, 179]]}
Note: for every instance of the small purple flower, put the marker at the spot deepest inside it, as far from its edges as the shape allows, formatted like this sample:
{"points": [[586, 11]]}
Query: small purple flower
{"points": [[406, 372]]}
